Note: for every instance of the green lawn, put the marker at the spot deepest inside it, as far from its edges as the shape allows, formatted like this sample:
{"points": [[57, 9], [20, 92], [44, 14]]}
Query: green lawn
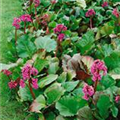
{"points": [[9, 109], [10, 9]]}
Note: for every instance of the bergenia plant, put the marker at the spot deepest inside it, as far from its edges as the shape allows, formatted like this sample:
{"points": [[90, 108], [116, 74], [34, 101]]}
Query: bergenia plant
{"points": [[68, 60]]}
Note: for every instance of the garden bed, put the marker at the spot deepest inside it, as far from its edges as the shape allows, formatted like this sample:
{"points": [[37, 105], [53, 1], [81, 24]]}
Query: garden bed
{"points": [[65, 60]]}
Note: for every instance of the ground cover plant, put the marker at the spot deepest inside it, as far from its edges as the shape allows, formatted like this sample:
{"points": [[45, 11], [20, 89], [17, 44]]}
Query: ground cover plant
{"points": [[66, 59]]}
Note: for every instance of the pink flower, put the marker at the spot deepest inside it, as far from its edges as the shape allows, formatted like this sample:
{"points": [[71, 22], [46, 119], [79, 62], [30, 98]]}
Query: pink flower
{"points": [[61, 37], [53, 1], [115, 12], [98, 69], [45, 19], [27, 71], [90, 13], [86, 97], [44, 22], [26, 18], [34, 71], [59, 28], [37, 3], [16, 23], [105, 4], [22, 83], [117, 99], [88, 91], [6, 72], [35, 83], [12, 84]]}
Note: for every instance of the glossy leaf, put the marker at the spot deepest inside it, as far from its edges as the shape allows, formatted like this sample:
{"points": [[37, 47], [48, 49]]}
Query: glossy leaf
{"points": [[47, 80], [46, 43]]}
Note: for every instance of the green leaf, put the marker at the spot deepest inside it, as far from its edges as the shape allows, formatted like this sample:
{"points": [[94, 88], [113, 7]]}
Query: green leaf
{"points": [[108, 81], [25, 94], [41, 117], [103, 106], [85, 113], [40, 64], [69, 105], [16, 72], [46, 43], [53, 65], [54, 93], [86, 43], [62, 77], [114, 111], [114, 58], [47, 80], [52, 24], [69, 86], [59, 118], [50, 116], [75, 24], [81, 3], [107, 29], [25, 47], [46, 3], [7, 66], [106, 50], [38, 104]]}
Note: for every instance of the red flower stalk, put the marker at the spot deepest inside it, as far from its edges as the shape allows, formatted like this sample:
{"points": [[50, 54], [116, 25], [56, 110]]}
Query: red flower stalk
{"points": [[90, 13]]}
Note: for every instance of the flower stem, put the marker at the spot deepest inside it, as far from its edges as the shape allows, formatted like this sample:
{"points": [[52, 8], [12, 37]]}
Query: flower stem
{"points": [[31, 90], [95, 85], [15, 36], [9, 77], [31, 1], [91, 24], [59, 47], [24, 27]]}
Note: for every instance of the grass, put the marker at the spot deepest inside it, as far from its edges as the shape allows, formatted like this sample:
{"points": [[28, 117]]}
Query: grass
{"points": [[9, 109], [9, 9]]}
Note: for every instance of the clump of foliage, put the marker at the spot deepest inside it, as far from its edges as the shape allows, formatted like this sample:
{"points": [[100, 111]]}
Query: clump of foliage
{"points": [[66, 59]]}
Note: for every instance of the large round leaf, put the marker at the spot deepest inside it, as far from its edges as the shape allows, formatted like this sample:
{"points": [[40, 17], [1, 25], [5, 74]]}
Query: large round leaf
{"points": [[103, 105], [47, 80], [38, 104], [25, 47], [69, 105], [46, 43], [54, 92]]}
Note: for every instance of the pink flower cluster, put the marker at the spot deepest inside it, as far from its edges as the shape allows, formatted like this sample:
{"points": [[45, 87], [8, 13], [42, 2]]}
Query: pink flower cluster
{"points": [[117, 98], [98, 69], [34, 83], [88, 91], [45, 19], [37, 3], [12, 84], [61, 36], [53, 1], [105, 4], [6, 72], [116, 13], [27, 73], [90, 13], [58, 30], [16, 23], [24, 18]]}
